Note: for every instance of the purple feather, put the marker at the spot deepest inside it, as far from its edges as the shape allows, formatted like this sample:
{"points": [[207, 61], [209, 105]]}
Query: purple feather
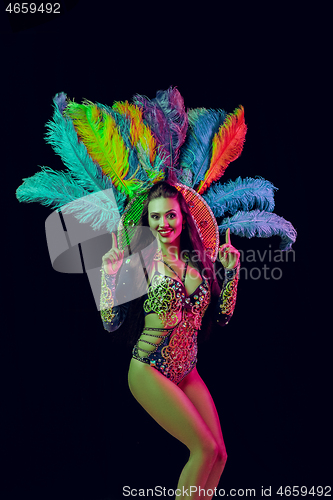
{"points": [[60, 101], [166, 117]]}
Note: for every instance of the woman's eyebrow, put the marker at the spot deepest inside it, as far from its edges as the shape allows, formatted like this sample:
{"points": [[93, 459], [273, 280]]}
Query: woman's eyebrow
{"points": [[157, 213]]}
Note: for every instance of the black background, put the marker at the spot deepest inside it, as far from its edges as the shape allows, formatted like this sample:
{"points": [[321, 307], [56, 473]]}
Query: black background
{"points": [[71, 427]]}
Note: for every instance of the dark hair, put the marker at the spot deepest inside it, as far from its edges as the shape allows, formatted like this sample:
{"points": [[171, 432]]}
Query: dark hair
{"points": [[189, 241]]}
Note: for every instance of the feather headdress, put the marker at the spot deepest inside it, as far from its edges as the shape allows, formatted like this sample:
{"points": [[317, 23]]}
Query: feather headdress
{"points": [[128, 147]]}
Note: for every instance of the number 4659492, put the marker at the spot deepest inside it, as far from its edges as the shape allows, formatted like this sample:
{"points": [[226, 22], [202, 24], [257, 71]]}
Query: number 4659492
{"points": [[32, 8]]}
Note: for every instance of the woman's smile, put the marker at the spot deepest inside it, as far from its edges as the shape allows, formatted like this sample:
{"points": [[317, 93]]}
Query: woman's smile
{"points": [[165, 232]]}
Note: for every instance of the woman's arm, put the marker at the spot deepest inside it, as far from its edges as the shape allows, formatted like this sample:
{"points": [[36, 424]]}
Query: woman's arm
{"points": [[227, 299], [113, 314], [229, 257], [118, 290]]}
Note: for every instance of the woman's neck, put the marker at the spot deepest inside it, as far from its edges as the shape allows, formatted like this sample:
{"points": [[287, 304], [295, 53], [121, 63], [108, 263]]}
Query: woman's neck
{"points": [[170, 253]]}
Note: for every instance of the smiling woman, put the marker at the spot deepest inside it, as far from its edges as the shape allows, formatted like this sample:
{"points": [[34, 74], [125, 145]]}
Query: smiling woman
{"points": [[162, 374], [150, 162]]}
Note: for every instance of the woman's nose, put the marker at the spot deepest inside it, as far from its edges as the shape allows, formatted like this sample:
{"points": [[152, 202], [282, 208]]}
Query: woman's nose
{"points": [[163, 222]]}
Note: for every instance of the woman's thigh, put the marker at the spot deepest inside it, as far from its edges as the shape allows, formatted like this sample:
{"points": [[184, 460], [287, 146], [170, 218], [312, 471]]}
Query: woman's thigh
{"points": [[169, 406], [197, 392]]}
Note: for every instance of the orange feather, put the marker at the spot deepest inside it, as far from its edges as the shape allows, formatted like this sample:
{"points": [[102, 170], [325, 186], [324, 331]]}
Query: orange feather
{"points": [[226, 147]]}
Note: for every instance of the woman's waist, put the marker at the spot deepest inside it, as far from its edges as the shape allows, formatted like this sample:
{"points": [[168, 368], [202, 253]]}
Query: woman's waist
{"points": [[153, 321], [183, 328], [158, 340]]}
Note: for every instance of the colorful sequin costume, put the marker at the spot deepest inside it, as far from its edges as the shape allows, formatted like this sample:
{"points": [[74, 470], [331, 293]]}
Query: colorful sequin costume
{"points": [[172, 350]]}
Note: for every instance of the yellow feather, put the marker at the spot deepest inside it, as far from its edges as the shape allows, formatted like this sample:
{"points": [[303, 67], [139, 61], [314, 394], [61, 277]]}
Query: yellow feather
{"points": [[98, 131], [140, 133]]}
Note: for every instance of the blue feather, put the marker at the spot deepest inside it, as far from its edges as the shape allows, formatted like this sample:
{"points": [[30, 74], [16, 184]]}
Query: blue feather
{"points": [[60, 189], [60, 100], [63, 138], [72, 190], [196, 152], [262, 224], [98, 210], [50, 188], [241, 194]]}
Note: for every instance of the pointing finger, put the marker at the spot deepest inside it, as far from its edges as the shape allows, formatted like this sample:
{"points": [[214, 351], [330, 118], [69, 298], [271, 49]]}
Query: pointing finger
{"points": [[114, 241], [227, 236]]}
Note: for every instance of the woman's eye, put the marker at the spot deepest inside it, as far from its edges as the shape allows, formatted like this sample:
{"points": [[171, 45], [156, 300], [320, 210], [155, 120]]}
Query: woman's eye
{"points": [[170, 216]]}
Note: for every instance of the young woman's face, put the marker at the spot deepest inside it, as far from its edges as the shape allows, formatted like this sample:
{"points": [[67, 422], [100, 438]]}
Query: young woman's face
{"points": [[165, 217]]}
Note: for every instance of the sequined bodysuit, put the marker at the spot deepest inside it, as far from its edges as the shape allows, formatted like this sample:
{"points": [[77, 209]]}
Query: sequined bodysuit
{"points": [[172, 347], [175, 349]]}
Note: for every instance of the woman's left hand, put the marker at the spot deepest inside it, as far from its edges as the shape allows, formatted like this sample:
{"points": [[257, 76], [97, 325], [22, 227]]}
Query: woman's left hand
{"points": [[229, 255]]}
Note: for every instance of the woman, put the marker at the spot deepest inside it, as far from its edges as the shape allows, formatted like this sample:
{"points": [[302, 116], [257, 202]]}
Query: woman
{"points": [[112, 156], [162, 374]]}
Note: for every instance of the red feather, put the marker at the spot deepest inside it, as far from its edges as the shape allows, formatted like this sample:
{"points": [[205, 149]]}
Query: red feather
{"points": [[226, 147]]}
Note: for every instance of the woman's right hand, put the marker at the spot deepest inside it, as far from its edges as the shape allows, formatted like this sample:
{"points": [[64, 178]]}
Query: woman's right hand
{"points": [[113, 259]]}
